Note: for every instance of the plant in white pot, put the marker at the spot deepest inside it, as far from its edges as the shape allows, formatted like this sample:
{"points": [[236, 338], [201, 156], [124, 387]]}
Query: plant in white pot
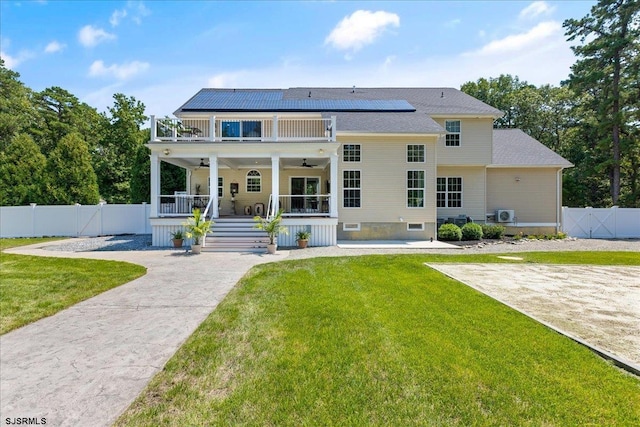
{"points": [[197, 227], [273, 227]]}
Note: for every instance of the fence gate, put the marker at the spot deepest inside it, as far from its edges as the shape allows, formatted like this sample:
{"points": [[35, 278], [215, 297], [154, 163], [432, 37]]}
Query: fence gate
{"points": [[595, 223]]}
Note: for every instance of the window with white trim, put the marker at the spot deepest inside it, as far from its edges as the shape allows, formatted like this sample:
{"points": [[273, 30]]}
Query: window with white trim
{"points": [[351, 189], [452, 138], [449, 192], [220, 187], [415, 188], [351, 153], [415, 153], [254, 181]]}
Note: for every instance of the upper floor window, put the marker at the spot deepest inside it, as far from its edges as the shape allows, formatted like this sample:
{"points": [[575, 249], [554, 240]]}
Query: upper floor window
{"points": [[351, 153], [452, 138], [415, 153], [254, 181], [449, 192]]}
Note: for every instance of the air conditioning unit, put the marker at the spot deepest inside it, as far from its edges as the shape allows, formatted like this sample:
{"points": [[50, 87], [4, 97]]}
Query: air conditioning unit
{"points": [[505, 215]]}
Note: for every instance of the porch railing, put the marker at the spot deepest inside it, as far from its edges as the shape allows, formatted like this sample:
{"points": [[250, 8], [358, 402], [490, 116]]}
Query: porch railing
{"points": [[181, 204], [315, 205], [214, 129]]}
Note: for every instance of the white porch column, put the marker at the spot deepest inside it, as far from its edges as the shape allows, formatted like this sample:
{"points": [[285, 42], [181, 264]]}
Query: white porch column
{"points": [[333, 198], [213, 185], [155, 184], [275, 183]]}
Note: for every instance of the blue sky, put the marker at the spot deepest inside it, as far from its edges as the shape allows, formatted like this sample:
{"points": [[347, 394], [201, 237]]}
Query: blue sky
{"points": [[163, 52]]}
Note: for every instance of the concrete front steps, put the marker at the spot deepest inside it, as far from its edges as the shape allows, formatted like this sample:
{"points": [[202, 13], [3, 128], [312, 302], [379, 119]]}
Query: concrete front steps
{"points": [[235, 234]]}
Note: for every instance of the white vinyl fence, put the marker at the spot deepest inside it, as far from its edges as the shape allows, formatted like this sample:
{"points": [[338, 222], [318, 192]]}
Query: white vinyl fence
{"points": [[599, 223], [72, 221]]}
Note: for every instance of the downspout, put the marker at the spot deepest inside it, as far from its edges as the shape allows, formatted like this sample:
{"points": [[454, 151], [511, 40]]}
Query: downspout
{"points": [[558, 198]]}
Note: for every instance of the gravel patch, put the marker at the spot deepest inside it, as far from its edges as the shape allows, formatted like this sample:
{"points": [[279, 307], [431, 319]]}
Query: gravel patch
{"points": [[128, 242]]}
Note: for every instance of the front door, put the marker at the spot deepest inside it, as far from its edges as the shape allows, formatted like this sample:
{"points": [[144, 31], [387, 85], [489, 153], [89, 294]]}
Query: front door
{"points": [[305, 191]]}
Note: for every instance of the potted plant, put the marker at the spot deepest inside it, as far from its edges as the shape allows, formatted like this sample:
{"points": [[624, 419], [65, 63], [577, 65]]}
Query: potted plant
{"points": [[177, 237], [273, 227], [302, 236], [197, 227]]}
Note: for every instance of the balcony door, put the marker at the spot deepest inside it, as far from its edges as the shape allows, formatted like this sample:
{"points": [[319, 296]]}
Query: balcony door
{"points": [[306, 188]]}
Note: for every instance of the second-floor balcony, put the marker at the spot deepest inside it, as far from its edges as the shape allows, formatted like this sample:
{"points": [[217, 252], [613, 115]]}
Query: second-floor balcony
{"points": [[213, 129]]}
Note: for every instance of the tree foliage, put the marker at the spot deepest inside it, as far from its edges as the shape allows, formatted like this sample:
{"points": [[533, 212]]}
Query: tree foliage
{"points": [[62, 113], [17, 112], [70, 176], [22, 167], [607, 71], [118, 148]]}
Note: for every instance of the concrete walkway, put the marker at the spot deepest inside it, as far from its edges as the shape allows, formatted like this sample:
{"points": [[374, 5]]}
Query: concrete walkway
{"points": [[86, 364]]}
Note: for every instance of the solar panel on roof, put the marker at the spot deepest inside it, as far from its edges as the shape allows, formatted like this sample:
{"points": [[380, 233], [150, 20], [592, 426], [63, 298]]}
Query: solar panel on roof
{"points": [[227, 100]]}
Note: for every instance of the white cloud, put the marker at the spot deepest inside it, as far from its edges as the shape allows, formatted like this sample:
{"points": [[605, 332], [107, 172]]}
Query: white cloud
{"points": [[9, 61], [117, 16], [139, 11], [517, 42], [452, 23], [90, 36], [12, 61], [361, 28], [120, 72], [54, 47], [536, 9]]}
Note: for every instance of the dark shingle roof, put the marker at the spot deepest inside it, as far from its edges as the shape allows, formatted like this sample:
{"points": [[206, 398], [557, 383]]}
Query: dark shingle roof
{"points": [[385, 122], [513, 147]]}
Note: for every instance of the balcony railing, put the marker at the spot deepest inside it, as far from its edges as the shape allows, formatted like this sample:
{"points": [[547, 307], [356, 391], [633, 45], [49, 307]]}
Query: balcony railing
{"points": [[316, 205], [181, 204], [214, 129]]}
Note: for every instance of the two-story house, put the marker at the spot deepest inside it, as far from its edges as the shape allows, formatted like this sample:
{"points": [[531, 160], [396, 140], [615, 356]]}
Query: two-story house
{"points": [[351, 164]]}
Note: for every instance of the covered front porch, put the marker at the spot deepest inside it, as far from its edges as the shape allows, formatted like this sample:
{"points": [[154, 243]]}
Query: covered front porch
{"points": [[254, 179]]}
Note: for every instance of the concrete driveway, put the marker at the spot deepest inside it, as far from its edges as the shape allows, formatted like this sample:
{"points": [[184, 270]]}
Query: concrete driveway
{"points": [[86, 364], [597, 304]]}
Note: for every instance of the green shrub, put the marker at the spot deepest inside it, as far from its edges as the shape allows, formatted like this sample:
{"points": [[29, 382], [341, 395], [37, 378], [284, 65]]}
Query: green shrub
{"points": [[471, 231], [492, 231], [449, 232]]}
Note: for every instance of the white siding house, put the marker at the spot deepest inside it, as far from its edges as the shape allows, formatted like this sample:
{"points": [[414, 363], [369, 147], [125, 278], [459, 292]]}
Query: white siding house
{"points": [[366, 163]]}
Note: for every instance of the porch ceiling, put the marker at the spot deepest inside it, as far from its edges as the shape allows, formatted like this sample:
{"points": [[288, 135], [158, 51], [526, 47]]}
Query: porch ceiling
{"points": [[250, 162]]}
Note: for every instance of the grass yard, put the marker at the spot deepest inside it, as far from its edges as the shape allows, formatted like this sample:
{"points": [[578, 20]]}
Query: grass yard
{"points": [[35, 287], [382, 340]]}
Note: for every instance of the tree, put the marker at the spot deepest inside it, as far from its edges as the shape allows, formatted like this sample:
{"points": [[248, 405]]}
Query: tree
{"points": [[70, 176], [22, 167], [117, 151], [16, 110], [141, 176], [608, 70], [62, 114]]}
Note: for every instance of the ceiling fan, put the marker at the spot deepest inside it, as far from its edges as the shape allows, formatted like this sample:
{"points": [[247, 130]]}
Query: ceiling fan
{"points": [[202, 164], [305, 164]]}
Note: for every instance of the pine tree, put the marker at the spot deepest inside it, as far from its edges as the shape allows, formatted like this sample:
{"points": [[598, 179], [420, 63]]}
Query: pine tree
{"points": [[608, 71]]}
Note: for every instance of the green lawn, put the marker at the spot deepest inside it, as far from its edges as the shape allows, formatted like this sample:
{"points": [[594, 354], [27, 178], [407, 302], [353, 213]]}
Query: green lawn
{"points": [[35, 287], [382, 340]]}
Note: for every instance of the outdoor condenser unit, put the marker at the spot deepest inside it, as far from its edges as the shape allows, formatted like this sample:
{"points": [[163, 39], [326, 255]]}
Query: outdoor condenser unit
{"points": [[505, 215]]}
